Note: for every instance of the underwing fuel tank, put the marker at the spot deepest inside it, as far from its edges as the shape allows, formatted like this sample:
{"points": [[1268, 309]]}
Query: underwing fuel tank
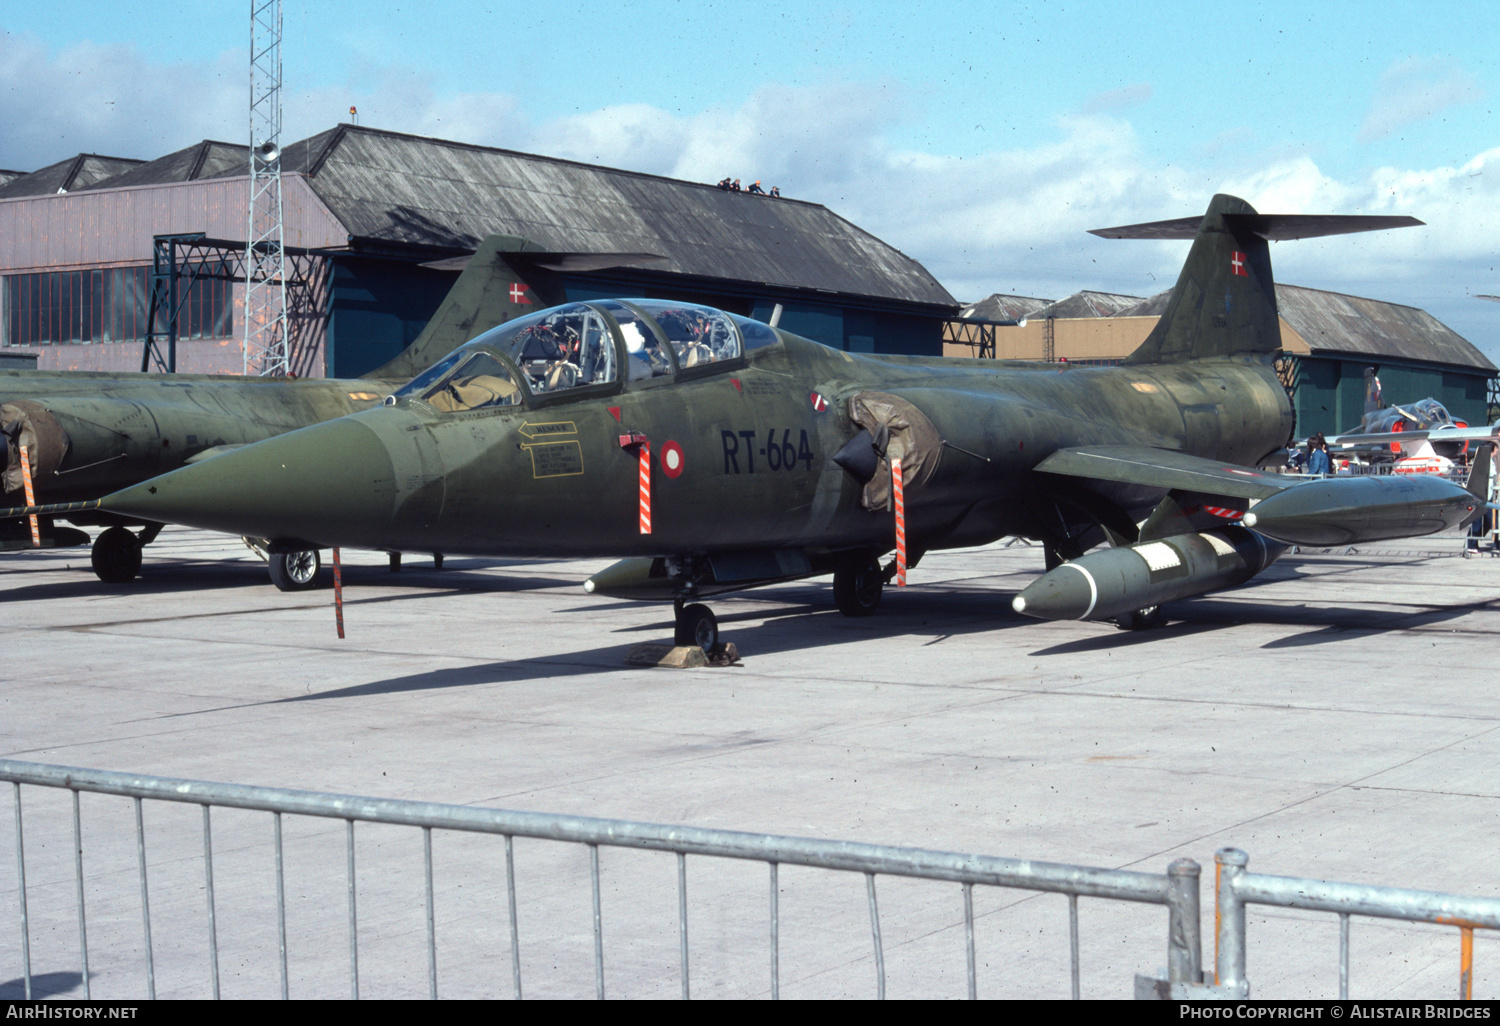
{"points": [[1113, 582], [1341, 511]]}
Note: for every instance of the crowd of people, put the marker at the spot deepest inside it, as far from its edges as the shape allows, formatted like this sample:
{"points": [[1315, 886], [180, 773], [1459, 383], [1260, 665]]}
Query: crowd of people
{"points": [[733, 185]]}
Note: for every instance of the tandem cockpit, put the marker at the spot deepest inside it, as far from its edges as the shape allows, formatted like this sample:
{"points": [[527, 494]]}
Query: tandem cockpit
{"points": [[584, 349]]}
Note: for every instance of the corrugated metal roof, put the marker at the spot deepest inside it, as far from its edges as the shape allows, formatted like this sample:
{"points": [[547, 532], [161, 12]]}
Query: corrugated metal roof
{"points": [[200, 160], [1001, 307], [1089, 304], [1333, 323], [67, 175], [390, 188]]}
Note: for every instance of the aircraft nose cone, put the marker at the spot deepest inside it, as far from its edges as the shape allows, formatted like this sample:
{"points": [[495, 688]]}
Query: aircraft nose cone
{"points": [[333, 483]]}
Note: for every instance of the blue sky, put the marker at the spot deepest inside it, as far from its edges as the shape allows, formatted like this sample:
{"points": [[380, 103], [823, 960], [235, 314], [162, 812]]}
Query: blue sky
{"points": [[982, 139]]}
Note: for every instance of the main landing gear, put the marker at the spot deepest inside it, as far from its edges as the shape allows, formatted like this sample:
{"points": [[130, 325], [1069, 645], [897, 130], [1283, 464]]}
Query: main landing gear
{"points": [[858, 583], [696, 625], [1146, 619], [116, 555]]}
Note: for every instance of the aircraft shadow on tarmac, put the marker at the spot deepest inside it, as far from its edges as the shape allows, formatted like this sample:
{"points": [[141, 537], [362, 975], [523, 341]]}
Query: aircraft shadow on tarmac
{"points": [[43, 985], [167, 577], [1335, 623], [801, 620]]}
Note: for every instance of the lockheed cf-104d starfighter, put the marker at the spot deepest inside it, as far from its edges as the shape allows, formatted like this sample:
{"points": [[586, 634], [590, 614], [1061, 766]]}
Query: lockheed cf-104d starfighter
{"points": [[712, 453]]}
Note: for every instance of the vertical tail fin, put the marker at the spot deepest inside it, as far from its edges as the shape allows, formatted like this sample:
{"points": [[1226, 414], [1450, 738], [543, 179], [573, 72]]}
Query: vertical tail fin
{"points": [[488, 292], [1373, 401], [1225, 299], [1224, 302]]}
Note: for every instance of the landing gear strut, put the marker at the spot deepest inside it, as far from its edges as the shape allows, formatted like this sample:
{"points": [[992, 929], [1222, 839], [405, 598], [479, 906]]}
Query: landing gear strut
{"points": [[1142, 619], [696, 625], [294, 571], [858, 583], [116, 556]]}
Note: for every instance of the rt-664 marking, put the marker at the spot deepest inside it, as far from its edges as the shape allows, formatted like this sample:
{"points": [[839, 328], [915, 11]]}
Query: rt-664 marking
{"points": [[775, 453]]}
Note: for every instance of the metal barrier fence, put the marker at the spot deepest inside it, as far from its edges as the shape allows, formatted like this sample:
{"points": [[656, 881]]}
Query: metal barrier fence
{"points": [[1235, 889], [1177, 889]]}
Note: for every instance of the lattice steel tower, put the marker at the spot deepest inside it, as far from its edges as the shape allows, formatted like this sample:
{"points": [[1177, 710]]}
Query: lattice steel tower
{"points": [[267, 346]]}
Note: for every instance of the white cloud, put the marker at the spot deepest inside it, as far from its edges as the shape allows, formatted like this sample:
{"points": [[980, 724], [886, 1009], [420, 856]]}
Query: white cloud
{"points": [[1116, 100], [110, 100], [1008, 220], [1415, 89]]}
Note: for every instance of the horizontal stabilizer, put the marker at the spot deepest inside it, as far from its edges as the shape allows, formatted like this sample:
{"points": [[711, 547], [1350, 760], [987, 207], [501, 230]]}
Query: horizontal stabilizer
{"points": [[1272, 227], [1163, 468]]}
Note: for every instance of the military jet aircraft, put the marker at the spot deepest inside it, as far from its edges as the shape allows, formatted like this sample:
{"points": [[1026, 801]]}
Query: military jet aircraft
{"points": [[88, 434], [715, 453], [1416, 438]]}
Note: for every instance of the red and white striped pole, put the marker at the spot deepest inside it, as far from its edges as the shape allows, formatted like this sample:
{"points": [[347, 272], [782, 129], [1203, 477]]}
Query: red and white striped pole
{"points": [[645, 458], [898, 494], [36, 532]]}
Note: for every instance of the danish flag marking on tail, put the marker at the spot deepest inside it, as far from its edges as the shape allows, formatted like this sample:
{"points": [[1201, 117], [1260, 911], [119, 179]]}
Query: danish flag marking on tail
{"points": [[520, 294], [1237, 264]]}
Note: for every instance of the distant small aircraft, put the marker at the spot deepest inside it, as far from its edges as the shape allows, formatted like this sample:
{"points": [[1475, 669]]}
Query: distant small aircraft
{"points": [[1417, 438]]}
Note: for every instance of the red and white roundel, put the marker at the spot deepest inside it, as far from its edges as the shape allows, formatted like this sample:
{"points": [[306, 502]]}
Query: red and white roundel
{"points": [[672, 460]]}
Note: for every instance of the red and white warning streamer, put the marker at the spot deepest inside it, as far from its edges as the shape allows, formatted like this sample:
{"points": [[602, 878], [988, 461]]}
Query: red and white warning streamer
{"points": [[899, 495], [36, 533], [338, 592], [645, 461]]}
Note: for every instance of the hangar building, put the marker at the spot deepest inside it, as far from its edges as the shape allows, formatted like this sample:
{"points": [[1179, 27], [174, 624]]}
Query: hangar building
{"points": [[368, 208], [1328, 340]]}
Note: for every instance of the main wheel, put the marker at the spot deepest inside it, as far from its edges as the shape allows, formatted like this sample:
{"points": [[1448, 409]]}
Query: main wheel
{"points": [[1142, 619], [295, 571], [697, 625], [116, 556], [857, 585]]}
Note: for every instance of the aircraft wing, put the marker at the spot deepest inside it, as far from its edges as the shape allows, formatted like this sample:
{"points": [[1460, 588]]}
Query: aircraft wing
{"points": [[1163, 468], [1437, 435]]}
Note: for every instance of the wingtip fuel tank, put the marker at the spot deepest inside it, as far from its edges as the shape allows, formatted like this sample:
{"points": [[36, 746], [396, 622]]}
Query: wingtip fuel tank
{"points": [[1342, 511]]}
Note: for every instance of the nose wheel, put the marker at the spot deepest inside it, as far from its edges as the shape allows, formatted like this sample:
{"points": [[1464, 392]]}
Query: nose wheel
{"points": [[696, 625], [295, 571]]}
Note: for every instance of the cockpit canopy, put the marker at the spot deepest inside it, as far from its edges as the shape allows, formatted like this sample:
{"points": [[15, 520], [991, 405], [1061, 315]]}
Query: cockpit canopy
{"points": [[581, 345], [1429, 412]]}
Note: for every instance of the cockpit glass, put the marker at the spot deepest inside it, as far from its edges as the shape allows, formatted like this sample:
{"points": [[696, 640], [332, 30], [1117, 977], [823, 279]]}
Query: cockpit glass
{"points": [[1432, 411], [644, 355], [699, 335], [419, 384], [756, 334], [480, 382], [567, 347]]}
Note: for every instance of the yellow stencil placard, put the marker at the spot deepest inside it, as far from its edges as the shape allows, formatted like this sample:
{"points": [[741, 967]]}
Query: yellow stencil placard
{"points": [[555, 459]]}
